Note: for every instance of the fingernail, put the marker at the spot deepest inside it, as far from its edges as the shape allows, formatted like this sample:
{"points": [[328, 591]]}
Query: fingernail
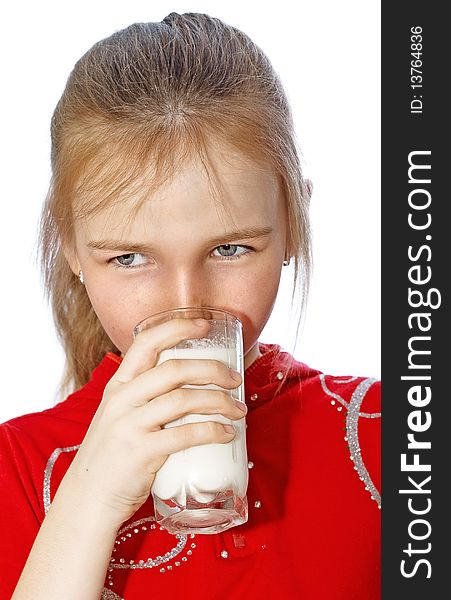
{"points": [[229, 428], [235, 375], [200, 322], [241, 405]]}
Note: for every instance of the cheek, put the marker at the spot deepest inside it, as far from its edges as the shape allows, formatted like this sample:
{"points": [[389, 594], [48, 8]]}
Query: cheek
{"points": [[254, 302], [118, 315]]}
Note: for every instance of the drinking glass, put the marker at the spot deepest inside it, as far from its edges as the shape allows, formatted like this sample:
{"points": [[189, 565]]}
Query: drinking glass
{"points": [[203, 489]]}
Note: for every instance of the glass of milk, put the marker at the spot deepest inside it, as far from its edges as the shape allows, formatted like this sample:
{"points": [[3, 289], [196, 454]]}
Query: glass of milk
{"points": [[203, 489]]}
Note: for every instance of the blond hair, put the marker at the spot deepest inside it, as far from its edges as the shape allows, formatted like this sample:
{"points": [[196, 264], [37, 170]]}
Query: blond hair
{"points": [[153, 93]]}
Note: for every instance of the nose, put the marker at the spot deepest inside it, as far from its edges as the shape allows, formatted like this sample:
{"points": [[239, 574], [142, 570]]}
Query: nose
{"points": [[190, 287]]}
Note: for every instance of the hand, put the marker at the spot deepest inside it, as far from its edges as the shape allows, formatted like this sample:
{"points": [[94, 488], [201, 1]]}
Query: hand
{"points": [[126, 444]]}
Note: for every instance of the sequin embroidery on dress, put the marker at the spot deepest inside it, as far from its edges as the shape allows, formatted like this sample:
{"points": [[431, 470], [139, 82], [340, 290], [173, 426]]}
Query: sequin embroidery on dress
{"points": [[352, 424], [109, 595]]}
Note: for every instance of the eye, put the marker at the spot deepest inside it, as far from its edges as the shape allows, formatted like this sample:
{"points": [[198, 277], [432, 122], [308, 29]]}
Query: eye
{"points": [[229, 251], [127, 261]]}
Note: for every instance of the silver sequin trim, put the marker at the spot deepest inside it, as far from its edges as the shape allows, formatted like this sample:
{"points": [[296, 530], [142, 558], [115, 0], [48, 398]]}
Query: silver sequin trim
{"points": [[109, 595], [154, 562], [48, 473], [150, 562], [342, 401], [348, 380], [352, 425], [352, 435], [134, 524]]}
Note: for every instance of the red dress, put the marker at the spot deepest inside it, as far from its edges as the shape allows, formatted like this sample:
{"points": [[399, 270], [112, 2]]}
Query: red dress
{"points": [[314, 521]]}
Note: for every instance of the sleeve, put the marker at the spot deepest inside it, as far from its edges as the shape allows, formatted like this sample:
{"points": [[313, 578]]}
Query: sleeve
{"points": [[20, 512]]}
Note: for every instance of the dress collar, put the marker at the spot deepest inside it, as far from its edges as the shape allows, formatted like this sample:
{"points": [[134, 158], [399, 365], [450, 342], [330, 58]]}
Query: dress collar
{"points": [[271, 373]]}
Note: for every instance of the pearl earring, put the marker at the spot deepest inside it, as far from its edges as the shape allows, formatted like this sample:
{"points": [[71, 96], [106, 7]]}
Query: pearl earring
{"points": [[80, 276], [286, 262]]}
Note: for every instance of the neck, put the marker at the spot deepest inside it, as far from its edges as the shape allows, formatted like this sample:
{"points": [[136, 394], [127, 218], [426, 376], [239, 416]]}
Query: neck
{"points": [[252, 355]]}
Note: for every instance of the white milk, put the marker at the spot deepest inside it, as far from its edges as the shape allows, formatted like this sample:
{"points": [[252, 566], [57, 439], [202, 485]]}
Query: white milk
{"points": [[202, 471]]}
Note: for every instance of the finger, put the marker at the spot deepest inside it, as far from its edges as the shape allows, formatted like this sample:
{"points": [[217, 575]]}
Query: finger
{"points": [[174, 439], [143, 353], [174, 373], [183, 401]]}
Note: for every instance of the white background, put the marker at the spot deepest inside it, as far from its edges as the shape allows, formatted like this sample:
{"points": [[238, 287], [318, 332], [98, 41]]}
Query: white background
{"points": [[327, 54]]}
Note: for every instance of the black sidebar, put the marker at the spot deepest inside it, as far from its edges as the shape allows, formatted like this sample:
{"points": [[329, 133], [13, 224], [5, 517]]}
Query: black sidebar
{"points": [[416, 356]]}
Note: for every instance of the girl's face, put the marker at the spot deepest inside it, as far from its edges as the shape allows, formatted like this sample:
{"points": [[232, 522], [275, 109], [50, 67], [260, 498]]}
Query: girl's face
{"points": [[183, 249]]}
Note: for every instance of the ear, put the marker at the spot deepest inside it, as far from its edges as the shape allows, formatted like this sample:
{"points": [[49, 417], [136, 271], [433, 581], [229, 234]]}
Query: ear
{"points": [[309, 186], [70, 255]]}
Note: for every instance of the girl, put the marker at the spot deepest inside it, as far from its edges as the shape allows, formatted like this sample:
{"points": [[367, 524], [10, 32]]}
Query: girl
{"points": [[176, 182]]}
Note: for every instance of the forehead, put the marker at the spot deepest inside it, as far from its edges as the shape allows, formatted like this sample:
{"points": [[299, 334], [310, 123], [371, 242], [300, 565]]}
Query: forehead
{"points": [[230, 190]]}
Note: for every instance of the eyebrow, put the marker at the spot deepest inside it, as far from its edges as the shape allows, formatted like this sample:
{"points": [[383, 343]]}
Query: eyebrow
{"points": [[249, 233]]}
